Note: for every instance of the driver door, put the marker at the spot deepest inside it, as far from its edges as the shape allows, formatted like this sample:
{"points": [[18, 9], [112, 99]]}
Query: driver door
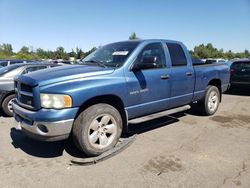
{"points": [[148, 89]]}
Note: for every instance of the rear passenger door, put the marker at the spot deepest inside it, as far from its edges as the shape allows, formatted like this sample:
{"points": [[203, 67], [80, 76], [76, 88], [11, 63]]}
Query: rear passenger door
{"points": [[182, 76]]}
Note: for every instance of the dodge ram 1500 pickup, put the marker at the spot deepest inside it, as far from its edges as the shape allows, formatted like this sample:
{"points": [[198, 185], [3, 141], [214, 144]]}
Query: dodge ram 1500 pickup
{"points": [[116, 83]]}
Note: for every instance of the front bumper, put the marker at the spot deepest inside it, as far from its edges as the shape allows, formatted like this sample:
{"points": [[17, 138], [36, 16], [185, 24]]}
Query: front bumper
{"points": [[45, 124]]}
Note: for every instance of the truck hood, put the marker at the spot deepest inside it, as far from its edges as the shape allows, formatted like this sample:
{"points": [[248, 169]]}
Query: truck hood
{"points": [[62, 73]]}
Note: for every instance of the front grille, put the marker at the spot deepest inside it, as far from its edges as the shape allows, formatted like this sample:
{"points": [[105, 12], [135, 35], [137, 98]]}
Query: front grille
{"points": [[26, 100], [26, 88], [24, 94]]}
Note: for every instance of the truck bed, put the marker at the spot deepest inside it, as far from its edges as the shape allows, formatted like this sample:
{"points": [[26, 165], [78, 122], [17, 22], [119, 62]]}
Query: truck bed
{"points": [[204, 73]]}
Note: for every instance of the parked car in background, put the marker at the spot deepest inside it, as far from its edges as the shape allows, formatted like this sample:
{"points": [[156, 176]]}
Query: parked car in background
{"points": [[118, 82], [7, 75], [210, 60], [65, 62], [8, 62], [61, 62], [197, 61], [53, 62], [240, 73]]}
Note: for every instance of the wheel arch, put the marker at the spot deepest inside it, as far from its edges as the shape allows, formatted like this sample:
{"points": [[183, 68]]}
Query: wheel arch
{"points": [[112, 100], [217, 83]]}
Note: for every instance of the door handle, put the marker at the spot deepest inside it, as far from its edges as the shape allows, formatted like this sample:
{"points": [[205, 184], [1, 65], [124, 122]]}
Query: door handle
{"points": [[165, 76], [189, 73]]}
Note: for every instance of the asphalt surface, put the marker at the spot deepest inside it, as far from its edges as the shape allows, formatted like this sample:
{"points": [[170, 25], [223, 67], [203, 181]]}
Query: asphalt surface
{"points": [[183, 150]]}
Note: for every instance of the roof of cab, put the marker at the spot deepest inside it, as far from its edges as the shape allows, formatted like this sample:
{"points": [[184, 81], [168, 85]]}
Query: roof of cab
{"points": [[151, 40], [140, 41]]}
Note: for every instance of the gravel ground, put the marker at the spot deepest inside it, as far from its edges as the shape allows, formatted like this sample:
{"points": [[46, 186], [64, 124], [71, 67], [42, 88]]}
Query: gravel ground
{"points": [[183, 150]]}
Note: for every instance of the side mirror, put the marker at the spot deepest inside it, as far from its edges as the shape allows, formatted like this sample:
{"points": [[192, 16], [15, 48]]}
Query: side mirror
{"points": [[147, 63]]}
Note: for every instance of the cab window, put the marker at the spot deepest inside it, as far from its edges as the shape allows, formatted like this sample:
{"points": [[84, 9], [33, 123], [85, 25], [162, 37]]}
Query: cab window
{"points": [[153, 50], [177, 55]]}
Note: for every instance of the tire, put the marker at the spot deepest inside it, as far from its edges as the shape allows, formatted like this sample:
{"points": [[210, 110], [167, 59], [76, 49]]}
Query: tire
{"points": [[210, 103], [7, 106], [97, 129]]}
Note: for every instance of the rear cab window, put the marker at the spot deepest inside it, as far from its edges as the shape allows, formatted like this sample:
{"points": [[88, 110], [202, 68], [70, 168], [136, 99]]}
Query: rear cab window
{"points": [[177, 55]]}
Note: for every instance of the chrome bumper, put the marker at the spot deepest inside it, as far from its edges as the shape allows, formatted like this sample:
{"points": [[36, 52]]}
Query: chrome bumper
{"points": [[45, 124], [46, 131]]}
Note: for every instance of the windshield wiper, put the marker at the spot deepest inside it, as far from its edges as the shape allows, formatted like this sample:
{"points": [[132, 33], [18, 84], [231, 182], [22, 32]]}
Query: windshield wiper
{"points": [[89, 62]]}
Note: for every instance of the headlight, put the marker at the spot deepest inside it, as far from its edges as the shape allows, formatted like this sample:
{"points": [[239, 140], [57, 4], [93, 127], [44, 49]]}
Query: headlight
{"points": [[56, 101]]}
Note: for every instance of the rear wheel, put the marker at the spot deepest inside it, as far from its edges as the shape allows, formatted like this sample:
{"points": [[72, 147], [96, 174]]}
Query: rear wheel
{"points": [[210, 103], [7, 105], [97, 129]]}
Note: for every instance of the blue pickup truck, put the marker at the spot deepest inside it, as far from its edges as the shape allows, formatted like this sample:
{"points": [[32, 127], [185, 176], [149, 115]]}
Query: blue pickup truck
{"points": [[116, 83]]}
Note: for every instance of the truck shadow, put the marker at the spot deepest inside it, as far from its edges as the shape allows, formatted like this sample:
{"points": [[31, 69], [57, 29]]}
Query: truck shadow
{"points": [[36, 148], [3, 115], [153, 123], [56, 149]]}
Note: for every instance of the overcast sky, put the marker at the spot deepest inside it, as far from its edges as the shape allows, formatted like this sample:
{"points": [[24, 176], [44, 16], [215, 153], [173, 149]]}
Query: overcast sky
{"points": [[49, 24]]}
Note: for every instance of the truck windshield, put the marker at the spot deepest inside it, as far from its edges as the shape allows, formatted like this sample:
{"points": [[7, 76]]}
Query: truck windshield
{"points": [[111, 55]]}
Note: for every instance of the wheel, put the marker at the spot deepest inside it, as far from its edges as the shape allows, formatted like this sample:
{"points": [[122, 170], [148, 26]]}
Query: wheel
{"points": [[7, 105], [97, 129], [210, 103]]}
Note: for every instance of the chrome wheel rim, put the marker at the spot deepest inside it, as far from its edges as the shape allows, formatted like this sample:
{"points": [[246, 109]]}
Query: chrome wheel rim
{"points": [[102, 131], [9, 105], [213, 101]]}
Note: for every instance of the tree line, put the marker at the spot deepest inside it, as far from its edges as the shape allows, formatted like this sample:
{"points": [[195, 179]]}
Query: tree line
{"points": [[209, 51], [6, 52], [202, 51], [205, 51]]}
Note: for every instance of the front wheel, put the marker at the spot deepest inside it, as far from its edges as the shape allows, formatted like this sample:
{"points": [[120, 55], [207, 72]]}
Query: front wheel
{"points": [[210, 103], [97, 129]]}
